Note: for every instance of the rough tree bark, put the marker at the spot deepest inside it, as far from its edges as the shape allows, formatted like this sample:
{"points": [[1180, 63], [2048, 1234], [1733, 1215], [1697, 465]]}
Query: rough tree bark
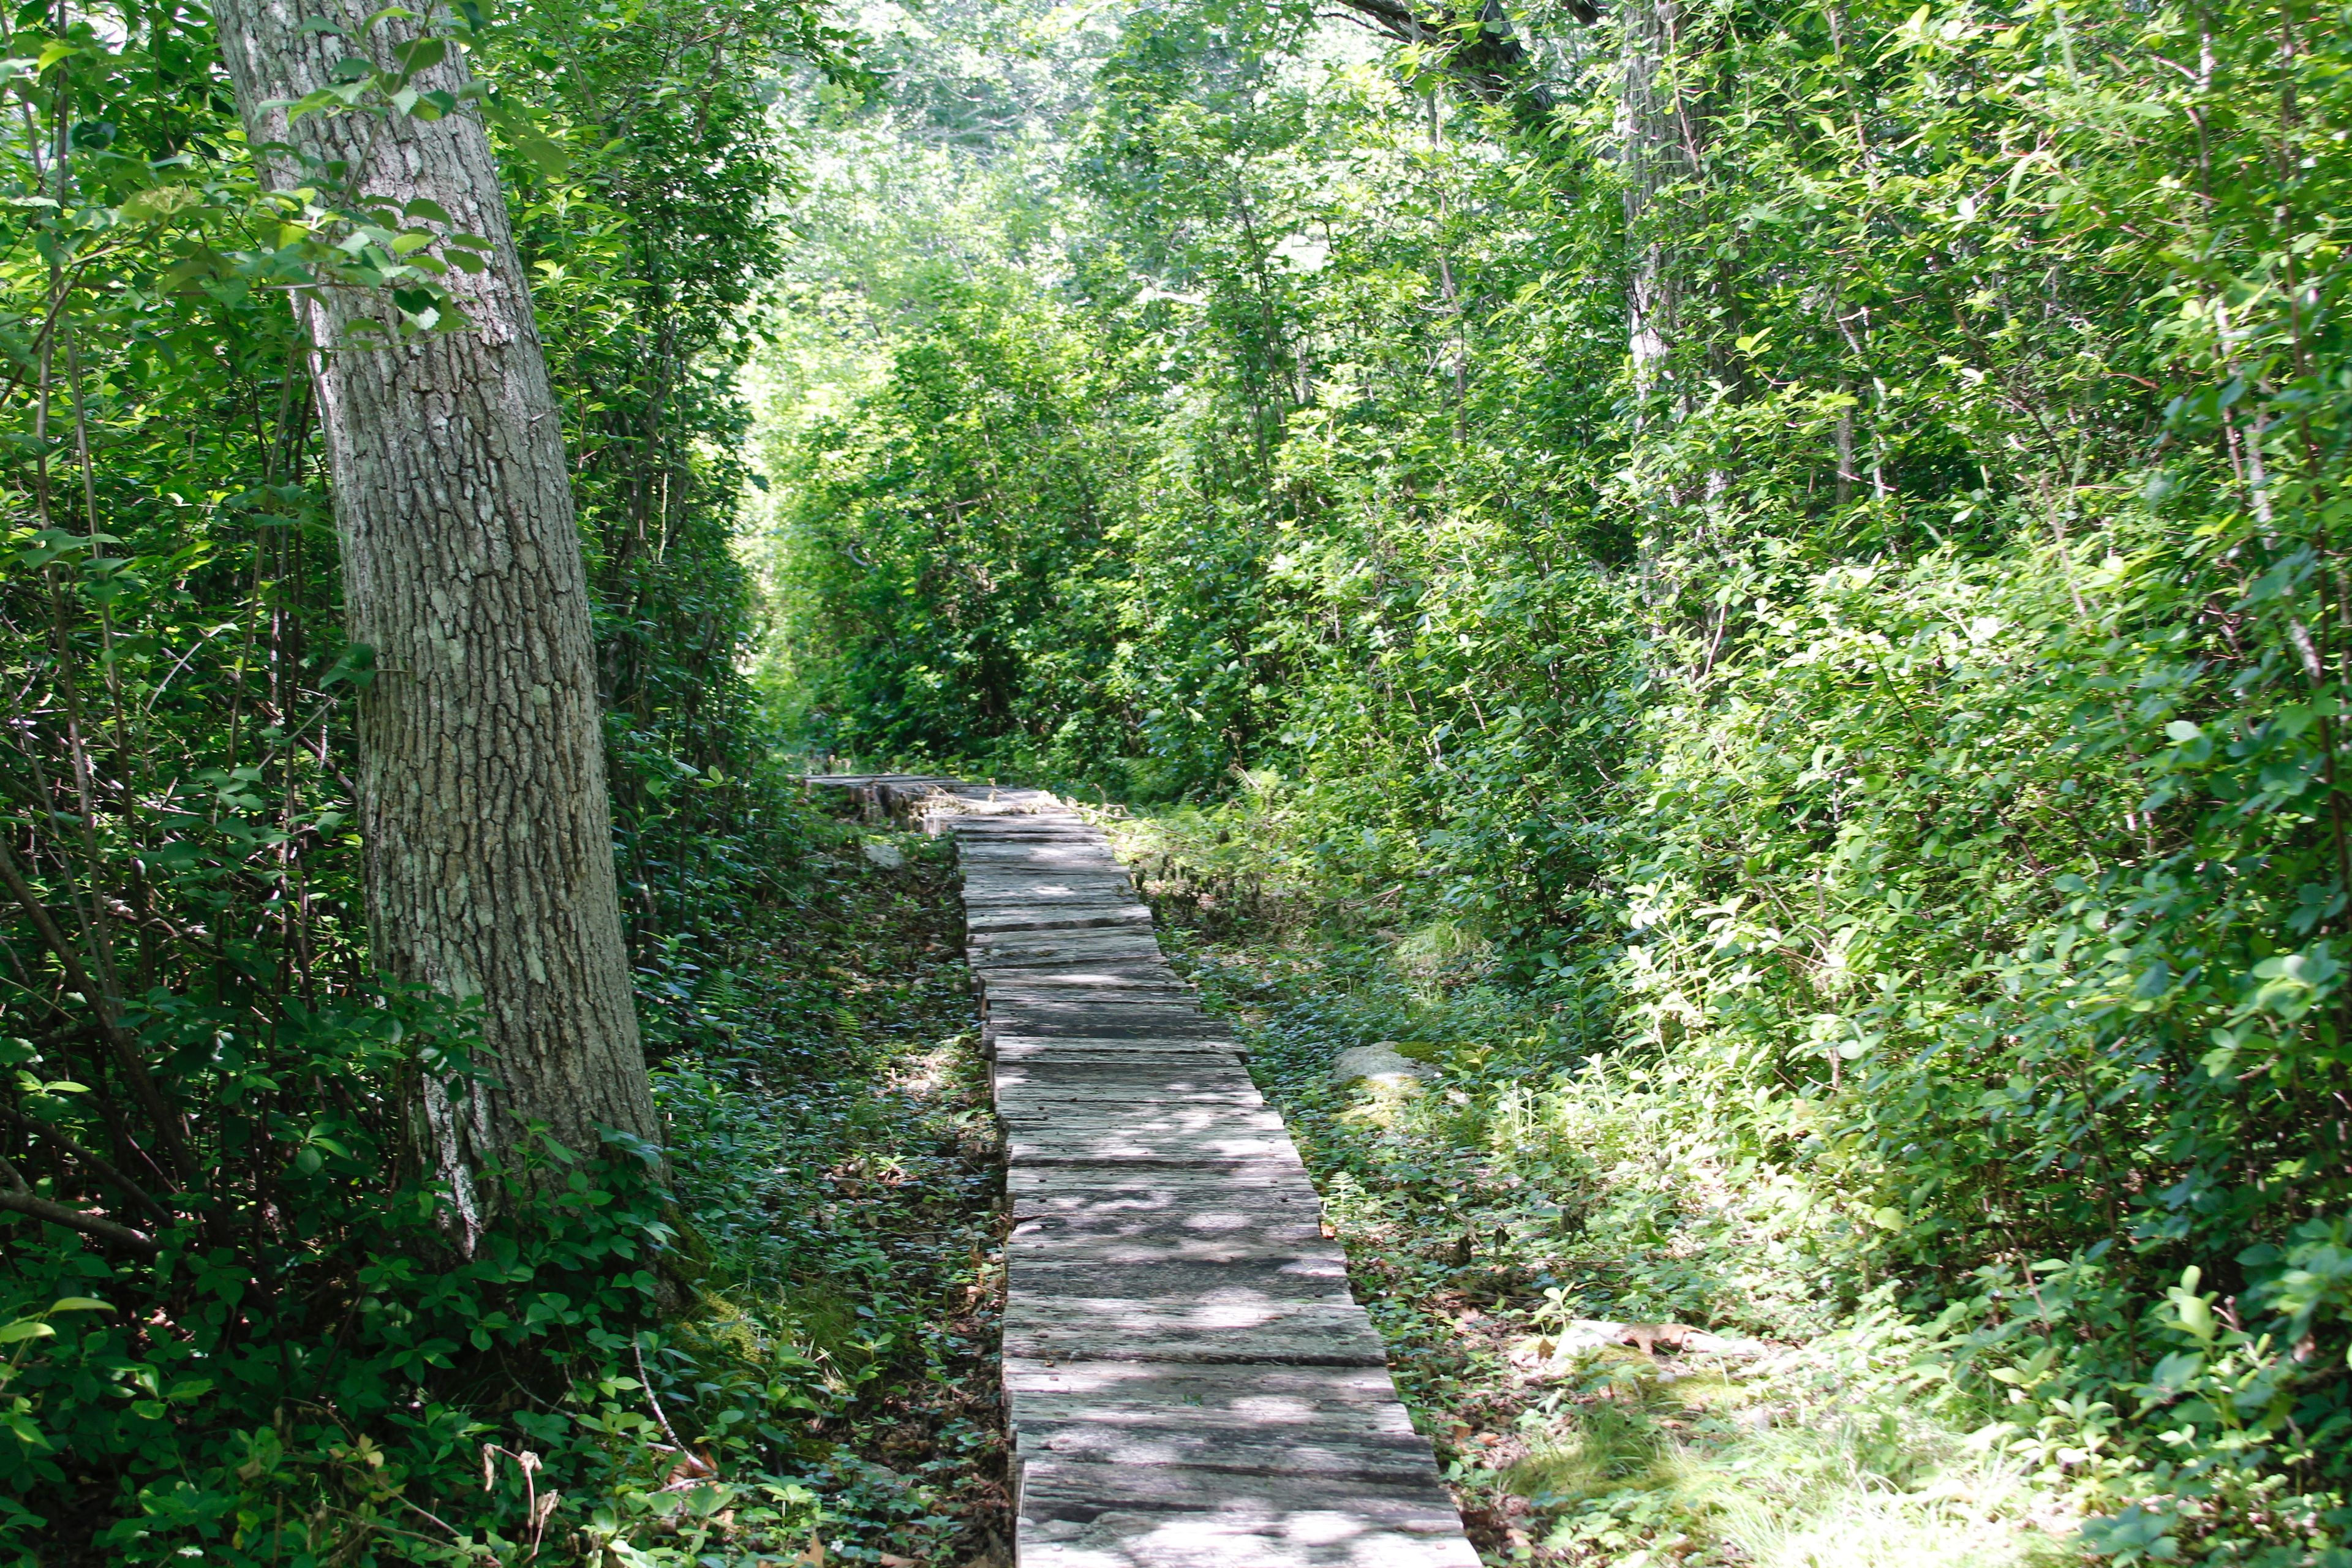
{"points": [[1650, 147], [482, 792], [1676, 310]]}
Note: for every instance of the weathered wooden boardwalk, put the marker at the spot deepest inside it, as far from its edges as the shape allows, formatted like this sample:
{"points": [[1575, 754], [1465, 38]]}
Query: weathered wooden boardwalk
{"points": [[1188, 1381]]}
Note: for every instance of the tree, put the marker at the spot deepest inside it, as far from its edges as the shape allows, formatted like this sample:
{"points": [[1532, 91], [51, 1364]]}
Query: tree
{"points": [[482, 790], [1474, 45]]}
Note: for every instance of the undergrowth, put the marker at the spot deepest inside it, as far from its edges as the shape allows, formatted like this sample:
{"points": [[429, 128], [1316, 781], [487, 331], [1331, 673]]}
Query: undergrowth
{"points": [[822, 1389], [1539, 1225], [830, 1125]]}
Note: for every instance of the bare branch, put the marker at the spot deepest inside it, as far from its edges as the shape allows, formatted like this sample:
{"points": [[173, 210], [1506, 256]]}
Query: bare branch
{"points": [[126, 1051], [100, 1166], [20, 1199]]}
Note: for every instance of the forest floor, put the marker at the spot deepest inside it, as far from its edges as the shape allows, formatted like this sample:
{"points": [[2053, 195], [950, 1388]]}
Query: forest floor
{"points": [[1536, 1231], [838, 1150], [829, 1116]]}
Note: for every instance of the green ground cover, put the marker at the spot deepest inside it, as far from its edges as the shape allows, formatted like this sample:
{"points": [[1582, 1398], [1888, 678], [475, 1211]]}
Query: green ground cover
{"points": [[826, 1383], [1534, 1226], [837, 1154]]}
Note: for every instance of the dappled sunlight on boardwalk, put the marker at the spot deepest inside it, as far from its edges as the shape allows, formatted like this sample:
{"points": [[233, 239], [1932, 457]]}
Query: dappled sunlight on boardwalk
{"points": [[1189, 1381]]}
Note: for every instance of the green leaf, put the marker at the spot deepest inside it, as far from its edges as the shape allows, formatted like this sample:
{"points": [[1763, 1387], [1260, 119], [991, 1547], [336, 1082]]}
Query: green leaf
{"points": [[162, 201], [546, 156], [421, 54], [355, 664]]}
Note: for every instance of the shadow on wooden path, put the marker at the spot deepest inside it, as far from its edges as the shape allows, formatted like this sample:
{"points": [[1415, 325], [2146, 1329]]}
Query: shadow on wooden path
{"points": [[1188, 1382]]}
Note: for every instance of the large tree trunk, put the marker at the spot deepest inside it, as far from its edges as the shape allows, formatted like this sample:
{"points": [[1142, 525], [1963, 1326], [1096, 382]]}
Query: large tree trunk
{"points": [[1650, 146], [1661, 155], [482, 797]]}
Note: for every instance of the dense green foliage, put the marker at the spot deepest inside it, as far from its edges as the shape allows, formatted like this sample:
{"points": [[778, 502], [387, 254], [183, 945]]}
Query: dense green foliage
{"points": [[246, 1343], [1507, 1224], [1896, 701]]}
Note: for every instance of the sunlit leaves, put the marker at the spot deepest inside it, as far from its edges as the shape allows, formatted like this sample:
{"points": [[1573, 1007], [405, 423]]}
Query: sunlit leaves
{"points": [[1925, 701]]}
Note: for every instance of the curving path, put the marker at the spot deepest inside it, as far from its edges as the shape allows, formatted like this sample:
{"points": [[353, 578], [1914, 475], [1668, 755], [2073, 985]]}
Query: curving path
{"points": [[1188, 1381]]}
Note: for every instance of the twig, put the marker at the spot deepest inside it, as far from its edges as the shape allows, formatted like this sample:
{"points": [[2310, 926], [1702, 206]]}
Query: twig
{"points": [[126, 1053], [20, 1198], [105, 1168], [652, 1402]]}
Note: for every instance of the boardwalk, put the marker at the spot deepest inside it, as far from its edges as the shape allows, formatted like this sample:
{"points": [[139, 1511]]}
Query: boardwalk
{"points": [[1188, 1382]]}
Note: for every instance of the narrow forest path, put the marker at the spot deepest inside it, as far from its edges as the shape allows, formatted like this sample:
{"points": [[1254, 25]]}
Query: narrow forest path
{"points": [[1188, 1379]]}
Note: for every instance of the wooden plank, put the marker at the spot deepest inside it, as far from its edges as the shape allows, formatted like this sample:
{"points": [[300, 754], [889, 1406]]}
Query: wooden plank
{"points": [[1092, 948], [1127, 1102], [1086, 982], [1236, 1328], [1221, 1132], [1259, 1220], [1205, 1189], [1075, 1514], [1014, 886], [1037, 855], [1056, 1147], [1255, 1221], [1093, 975], [1018, 1027], [1155, 1051], [1105, 1076], [1080, 926], [1051, 914], [1125, 1068], [1120, 1012], [983, 879], [1275, 1277], [1077, 1058], [1163, 989], [1026, 1015], [1059, 994], [1124, 943], [1023, 1025], [1067, 892], [1285, 1165], [1075, 1047], [1013, 918], [1119, 935], [1085, 923], [1029, 830], [1291, 1249], [1071, 1388], [1016, 832], [1243, 1448], [1210, 1115]]}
